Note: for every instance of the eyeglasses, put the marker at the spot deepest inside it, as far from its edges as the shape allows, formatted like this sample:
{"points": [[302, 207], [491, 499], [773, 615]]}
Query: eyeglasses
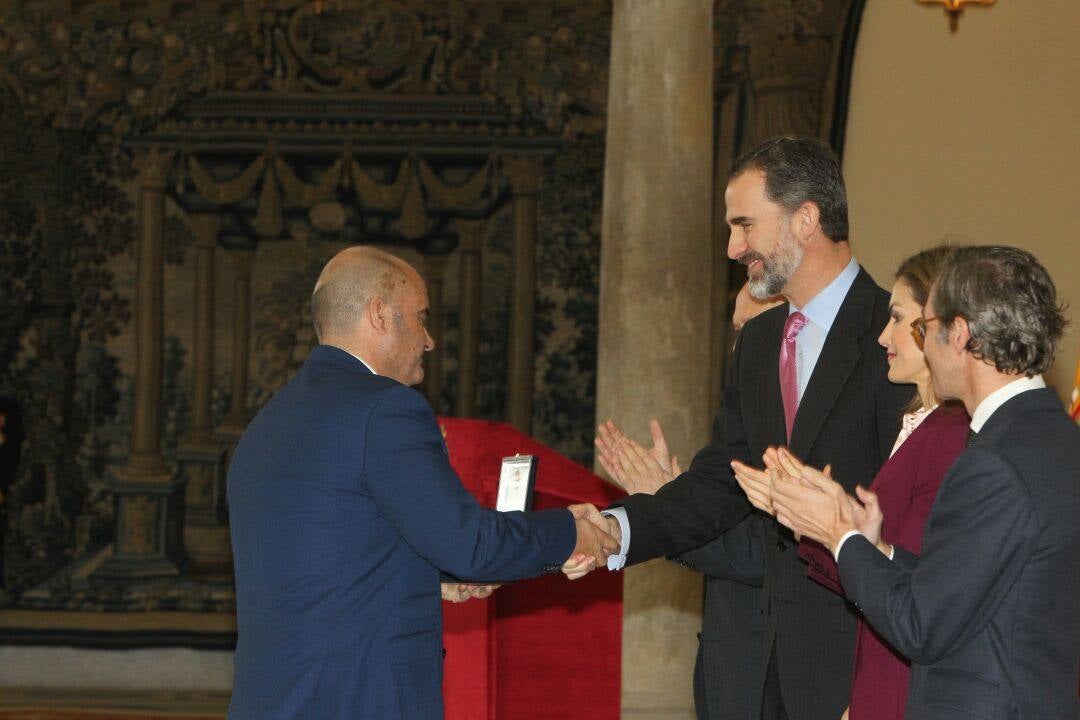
{"points": [[918, 326]]}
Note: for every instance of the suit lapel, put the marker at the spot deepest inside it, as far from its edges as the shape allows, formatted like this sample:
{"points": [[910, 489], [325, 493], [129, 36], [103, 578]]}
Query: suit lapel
{"points": [[838, 358]]}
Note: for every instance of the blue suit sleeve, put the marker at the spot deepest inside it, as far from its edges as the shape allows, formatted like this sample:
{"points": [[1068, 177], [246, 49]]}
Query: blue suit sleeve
{"points": [[408, 474]]}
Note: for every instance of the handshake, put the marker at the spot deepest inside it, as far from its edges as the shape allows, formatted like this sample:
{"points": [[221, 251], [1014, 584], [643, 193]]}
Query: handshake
{"points": [[598, 536]]}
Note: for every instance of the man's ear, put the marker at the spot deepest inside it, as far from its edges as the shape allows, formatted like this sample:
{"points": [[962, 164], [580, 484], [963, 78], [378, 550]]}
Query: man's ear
{"points": [[378, 315], [959, 334], [805, 221]]}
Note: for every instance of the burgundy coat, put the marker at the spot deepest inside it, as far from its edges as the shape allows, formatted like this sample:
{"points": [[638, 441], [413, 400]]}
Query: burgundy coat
{"points": [[906, 487]]}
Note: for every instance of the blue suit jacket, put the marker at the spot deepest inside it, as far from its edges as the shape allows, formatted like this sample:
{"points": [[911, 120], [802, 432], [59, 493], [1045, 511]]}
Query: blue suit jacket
{"points": [[343, 510]]}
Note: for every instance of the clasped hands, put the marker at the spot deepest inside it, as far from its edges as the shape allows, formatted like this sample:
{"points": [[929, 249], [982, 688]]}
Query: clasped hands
{"points": [[808, 500], [598, 536]]}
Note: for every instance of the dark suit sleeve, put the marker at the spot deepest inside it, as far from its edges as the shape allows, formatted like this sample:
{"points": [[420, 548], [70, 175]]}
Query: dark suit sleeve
{"points": [[737, 555], [979, 536], [904, 559], [408, 474], [704, 501]]}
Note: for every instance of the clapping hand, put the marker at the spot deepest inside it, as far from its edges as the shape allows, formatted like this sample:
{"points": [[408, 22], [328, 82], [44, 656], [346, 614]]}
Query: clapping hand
{"points": [[862, 513], [630, 465], [755, 483], [809, 502], [869, 519]]}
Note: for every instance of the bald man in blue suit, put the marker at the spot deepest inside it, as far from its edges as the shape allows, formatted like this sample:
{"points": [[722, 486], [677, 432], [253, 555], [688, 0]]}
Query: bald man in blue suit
{"points": [[344, 509]]}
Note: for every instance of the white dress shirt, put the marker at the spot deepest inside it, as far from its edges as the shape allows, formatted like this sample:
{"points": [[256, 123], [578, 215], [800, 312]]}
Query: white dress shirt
{"points": [[1002, 395]]}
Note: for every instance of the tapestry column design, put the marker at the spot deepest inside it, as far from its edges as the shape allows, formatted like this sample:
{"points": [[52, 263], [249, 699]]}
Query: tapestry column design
{"points": [[147, 494], [525, 174], [236, 419], [655, 291], [201, 456], [205, 226], [470, 241], [434, 267]]}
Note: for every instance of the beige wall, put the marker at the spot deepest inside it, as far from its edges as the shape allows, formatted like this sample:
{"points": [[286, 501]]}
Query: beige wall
{"points": [[975, 134]]}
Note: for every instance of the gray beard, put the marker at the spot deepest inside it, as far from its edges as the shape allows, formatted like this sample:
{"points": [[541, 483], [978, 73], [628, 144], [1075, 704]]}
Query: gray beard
{"points": [[776, 271]]}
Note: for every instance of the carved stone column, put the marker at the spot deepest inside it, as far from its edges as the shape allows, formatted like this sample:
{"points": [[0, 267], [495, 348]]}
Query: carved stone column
{"points": [[655, 318], [525, 174], [434, 268], [722, 335], [201, 457], [236, 419], [470, 242], [147, 494]]}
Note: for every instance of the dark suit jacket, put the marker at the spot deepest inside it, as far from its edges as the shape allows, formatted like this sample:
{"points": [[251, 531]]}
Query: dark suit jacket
{"points": [[728, 670], [849, 416], [906, 487], [343, 510], [990, 612]]}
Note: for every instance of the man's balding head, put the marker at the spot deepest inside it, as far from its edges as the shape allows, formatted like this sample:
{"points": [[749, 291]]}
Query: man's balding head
{"points": [[374, 305], [349, 282]]}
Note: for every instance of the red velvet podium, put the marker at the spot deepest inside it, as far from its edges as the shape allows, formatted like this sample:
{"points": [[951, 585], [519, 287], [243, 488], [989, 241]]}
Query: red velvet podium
{"points": [[541, 648]]}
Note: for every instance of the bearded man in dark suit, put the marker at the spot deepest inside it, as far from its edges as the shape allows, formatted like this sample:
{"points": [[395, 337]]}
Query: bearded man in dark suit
{"points": [[809, 374]]}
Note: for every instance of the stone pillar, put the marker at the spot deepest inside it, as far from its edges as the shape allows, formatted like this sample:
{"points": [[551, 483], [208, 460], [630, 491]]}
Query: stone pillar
{"points": [[147, 494], [202, 458], [655, 291], [525, 174], [434, 268], [470, 242], [236, 419], [722, 335]]}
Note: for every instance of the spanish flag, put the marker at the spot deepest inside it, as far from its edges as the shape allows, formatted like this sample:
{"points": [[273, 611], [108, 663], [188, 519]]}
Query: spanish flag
{"points": [[1074, 408]]}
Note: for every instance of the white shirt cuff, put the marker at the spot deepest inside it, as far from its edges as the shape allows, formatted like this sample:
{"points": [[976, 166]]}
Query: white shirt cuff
{"points": [[843, 539], [616, 562]]}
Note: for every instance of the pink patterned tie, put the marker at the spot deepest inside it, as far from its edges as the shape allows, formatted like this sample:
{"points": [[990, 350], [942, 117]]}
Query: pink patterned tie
{"points": [[789, 374]]}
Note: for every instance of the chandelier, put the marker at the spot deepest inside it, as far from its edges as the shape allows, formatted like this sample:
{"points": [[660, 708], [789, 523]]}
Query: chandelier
{"points": [[954, 7]]}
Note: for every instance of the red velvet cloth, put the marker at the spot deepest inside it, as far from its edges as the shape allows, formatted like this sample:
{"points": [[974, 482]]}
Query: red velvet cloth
{"points": [[541, 648]]}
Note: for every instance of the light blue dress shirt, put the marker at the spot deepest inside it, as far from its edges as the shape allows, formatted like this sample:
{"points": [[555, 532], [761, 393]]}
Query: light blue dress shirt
{"points": [[820, 313]]}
